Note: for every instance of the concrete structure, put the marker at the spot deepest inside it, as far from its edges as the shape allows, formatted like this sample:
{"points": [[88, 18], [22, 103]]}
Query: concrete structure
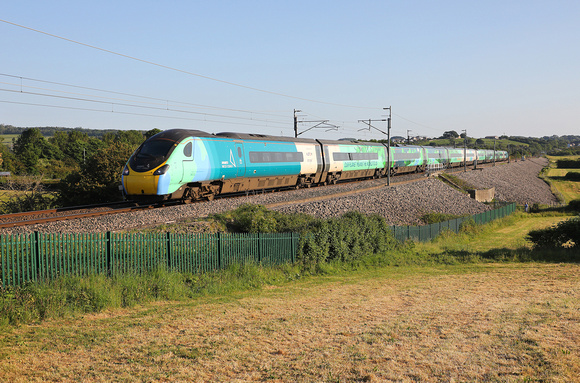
{"points": [[482, 195]]}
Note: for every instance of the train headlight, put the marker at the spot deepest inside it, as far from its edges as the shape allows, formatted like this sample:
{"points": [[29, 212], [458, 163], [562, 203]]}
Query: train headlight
{"points": [[126, 171], [161, 170]]}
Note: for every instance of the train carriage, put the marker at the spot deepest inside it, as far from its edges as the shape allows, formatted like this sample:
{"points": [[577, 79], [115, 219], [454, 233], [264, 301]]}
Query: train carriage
{"points": [[351, 159], [406, 159]]}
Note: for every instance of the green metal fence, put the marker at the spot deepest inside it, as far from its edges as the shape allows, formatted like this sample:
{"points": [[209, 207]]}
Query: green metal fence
{"points": [[428, 232], [37, 256]]}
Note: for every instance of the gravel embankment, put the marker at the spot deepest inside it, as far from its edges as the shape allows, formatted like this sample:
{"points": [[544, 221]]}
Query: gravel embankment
{"points": [[514, 182], [399, 204]]}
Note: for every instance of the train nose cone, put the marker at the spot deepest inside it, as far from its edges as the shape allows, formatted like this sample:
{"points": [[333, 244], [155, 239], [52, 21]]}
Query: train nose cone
{"points": [[140, 183]]}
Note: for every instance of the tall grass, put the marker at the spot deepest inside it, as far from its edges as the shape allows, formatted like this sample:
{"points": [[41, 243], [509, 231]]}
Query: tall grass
{"points": [[68, 296]]}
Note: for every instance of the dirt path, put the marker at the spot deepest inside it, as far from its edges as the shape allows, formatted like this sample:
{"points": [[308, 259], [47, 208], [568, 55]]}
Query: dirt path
{"points": [[494, 322]]}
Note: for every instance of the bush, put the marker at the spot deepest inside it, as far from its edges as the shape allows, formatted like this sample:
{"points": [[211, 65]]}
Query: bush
{"points": [[574, 205], [568, 164], [564, 234], [250, 218], [343, 239], [572, 176], [435, 217]]}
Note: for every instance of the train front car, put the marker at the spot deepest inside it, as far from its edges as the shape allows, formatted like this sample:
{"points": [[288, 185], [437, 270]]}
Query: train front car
{"points": [[156, 170]]}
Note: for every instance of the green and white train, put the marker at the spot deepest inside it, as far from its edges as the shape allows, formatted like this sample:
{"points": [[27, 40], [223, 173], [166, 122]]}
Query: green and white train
{"points": [[187, 165]]}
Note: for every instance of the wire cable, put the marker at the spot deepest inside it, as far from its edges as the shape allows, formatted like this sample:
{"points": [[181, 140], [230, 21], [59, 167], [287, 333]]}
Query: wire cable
{"points": [[180, 70]]}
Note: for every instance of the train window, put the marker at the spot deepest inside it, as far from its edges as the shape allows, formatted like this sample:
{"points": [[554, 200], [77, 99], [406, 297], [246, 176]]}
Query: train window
{"points": [[188, 149], [262, 157], [354, 156], [239, 152], [151, 154], [340, 157]]}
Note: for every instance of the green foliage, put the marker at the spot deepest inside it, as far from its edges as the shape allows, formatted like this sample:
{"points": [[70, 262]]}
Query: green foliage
{"points": [[568, 164], [343, 239], [151, 133], [436, 217], [456, 181], [250, 218], [67, 296], [29, 147], [564, 234], [32, 196], [450, 134], [574, 205], [572, 176], [99, 178]]}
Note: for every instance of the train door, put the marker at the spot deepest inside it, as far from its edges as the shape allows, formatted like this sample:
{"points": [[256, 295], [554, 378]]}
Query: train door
{"points": [[240, 163], [188, 167]]}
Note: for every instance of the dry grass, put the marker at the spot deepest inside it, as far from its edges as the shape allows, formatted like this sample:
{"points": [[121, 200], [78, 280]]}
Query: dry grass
{"points": [[483, 323]]}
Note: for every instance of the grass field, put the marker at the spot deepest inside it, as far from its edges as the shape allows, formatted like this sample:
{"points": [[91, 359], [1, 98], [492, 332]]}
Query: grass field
{"points": [[462, 322]]}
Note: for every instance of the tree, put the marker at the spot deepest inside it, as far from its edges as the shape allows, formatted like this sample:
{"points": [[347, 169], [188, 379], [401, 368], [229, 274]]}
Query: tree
{"points": [[99, 178], [152, 132], [29, 147], [450, 134]]}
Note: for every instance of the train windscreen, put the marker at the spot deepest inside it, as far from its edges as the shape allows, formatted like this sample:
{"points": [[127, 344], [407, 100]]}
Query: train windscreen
{"points": [[151, 154]]}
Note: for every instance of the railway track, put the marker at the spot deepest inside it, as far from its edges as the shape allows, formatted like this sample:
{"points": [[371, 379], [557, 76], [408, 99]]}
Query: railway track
{"points": [[67, 213], [87, 211]]}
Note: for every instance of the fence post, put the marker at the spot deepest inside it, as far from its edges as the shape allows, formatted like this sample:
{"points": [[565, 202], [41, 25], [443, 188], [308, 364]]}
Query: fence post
{"points": [[109, 247], [293, 247], [219, 240], [259, 249], [37, 255], [168, 247]]}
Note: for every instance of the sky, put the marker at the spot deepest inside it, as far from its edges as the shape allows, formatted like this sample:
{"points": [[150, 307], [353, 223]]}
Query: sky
{"points": [[489, 67]]}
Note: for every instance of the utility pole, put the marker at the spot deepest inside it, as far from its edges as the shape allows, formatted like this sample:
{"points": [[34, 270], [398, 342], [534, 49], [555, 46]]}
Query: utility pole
{"points": [[389, 147], [319, 124], [296, 123], [465, 151], [408, 137], [494, 152], [388, 133]]}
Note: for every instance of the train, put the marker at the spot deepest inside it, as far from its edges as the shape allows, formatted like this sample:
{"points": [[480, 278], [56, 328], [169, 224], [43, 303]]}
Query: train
{"points": [[189, 165]]}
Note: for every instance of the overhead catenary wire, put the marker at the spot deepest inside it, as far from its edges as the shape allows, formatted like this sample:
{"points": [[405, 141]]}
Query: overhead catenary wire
{"points": [[139, 106], [161, 100], [127, 56], [182, 70], [133, 114]]}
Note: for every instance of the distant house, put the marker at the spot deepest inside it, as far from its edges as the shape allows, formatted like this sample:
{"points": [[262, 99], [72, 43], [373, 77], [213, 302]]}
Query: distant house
{"points": [[4, 174]]}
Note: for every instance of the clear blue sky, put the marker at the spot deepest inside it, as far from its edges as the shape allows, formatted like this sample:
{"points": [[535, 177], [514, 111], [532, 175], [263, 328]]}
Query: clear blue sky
{"points": [[490, 67]]}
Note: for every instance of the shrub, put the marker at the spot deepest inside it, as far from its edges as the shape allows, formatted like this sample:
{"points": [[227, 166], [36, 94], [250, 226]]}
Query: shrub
{"points": [[574, 205], [568, 164], [435, 217], [564, 234]]}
